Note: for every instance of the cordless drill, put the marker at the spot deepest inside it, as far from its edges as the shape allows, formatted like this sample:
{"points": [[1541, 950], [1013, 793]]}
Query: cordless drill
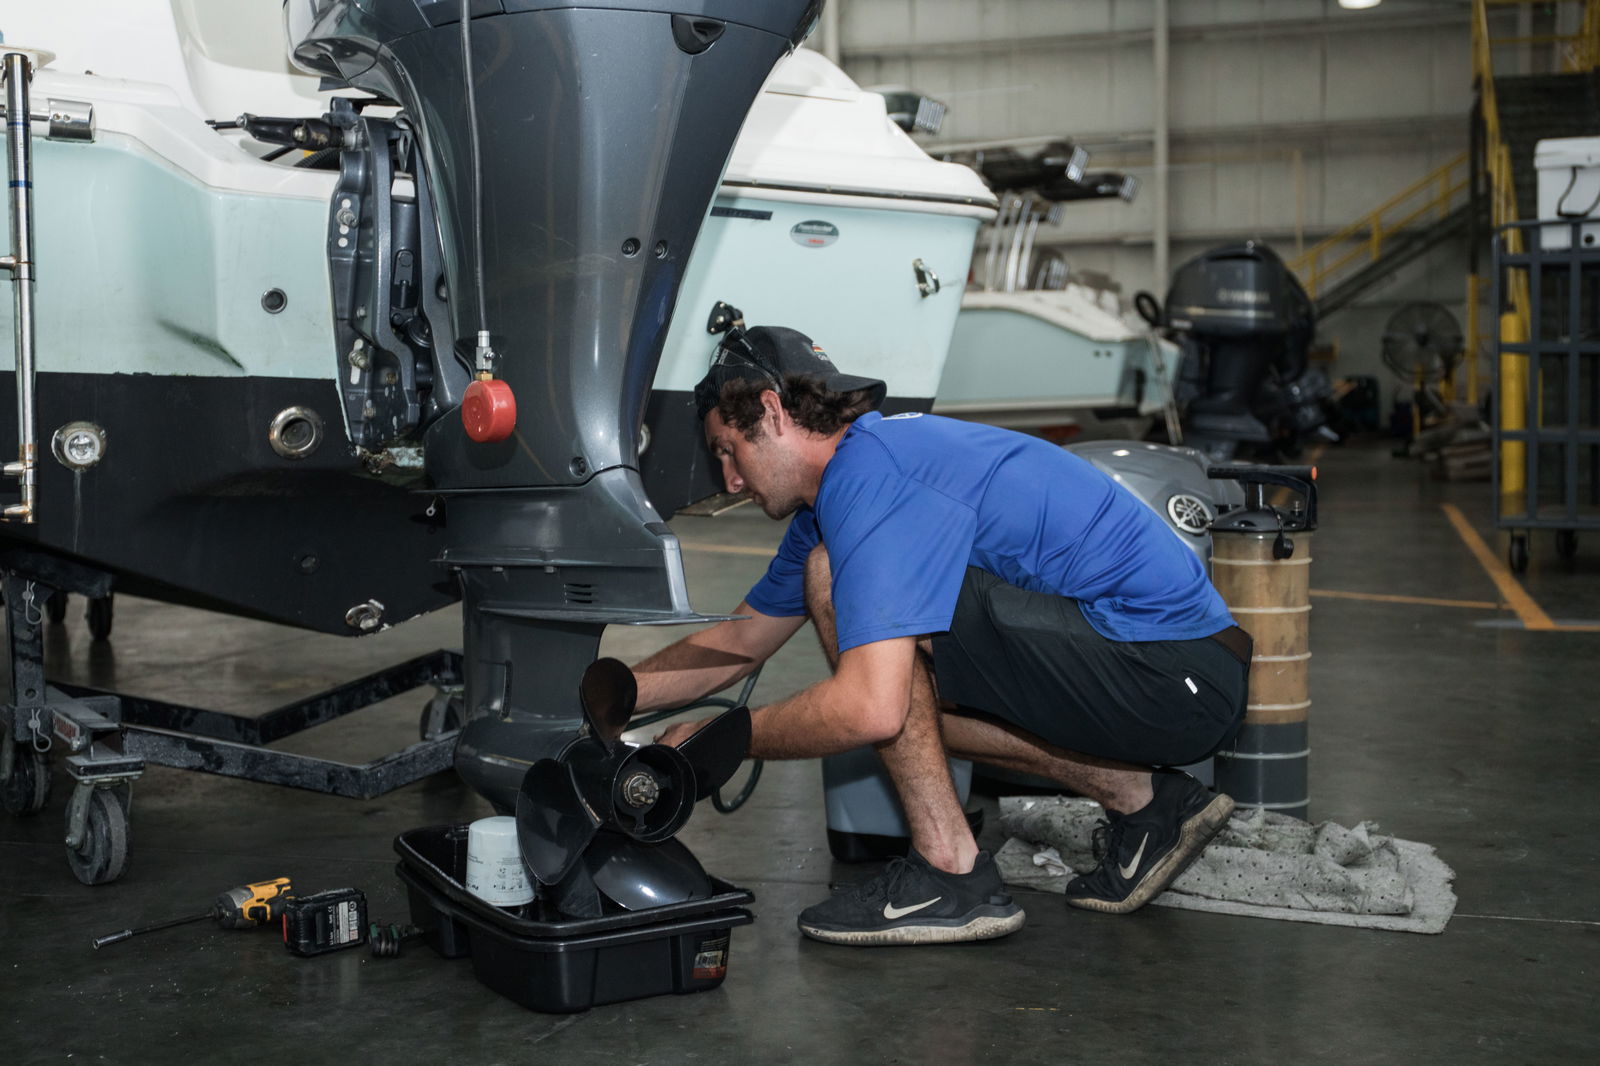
{"points": [[257, 903]]}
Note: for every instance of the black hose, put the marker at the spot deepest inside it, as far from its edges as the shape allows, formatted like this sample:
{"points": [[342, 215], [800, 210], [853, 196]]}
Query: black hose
{"points": [[477, 164], [317, 160], [723, 806]]}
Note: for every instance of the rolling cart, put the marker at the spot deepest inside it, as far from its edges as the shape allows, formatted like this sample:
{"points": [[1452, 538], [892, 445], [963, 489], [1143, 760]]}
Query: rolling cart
{"points": [[104, 740], [1547, 406]]}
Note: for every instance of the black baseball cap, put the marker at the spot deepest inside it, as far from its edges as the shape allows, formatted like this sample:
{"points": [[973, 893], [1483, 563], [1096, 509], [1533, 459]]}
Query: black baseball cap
{"points": [[768, 354]]}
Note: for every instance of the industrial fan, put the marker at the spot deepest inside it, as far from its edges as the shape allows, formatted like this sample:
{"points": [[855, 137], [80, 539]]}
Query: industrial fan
{"points": [[596, 822], [1422, 344]]}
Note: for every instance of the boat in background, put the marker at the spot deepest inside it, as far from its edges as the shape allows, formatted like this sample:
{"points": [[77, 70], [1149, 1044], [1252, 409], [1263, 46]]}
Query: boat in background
{"points": [[1063, 363], [1037, 348]]}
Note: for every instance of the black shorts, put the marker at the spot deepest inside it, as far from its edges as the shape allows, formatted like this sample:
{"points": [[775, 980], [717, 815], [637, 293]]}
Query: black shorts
{"points": [[1031, 659]]}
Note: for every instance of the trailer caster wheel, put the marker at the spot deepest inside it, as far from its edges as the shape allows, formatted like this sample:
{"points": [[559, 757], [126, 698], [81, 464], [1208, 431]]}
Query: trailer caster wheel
{"points": [[102, 856], [1517, 554], [1567, 544], [440, 714], [99, 616], [28, 787], [55, 608]]}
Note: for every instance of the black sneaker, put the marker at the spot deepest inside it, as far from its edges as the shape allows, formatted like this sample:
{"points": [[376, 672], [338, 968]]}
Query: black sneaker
{"points": [[1142, 853], [913, 902]]}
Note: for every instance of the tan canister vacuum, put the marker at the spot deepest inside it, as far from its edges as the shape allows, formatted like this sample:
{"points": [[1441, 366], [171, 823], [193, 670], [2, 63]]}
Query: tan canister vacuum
{"points": [[1261, 566]]}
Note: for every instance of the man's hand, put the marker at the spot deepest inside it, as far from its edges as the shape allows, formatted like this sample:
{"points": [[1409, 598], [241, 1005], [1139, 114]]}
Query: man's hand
{"points": [[679, 732]]}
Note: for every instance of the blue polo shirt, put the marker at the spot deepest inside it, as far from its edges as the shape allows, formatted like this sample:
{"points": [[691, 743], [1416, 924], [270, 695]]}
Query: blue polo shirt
{"points": [[908, 502]]}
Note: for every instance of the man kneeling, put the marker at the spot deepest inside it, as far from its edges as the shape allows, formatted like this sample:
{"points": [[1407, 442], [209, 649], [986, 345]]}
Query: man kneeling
{"points": [[981, 594]]}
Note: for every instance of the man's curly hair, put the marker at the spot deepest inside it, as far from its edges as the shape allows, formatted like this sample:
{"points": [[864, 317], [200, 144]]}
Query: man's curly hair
{"points": [[814, 407]]}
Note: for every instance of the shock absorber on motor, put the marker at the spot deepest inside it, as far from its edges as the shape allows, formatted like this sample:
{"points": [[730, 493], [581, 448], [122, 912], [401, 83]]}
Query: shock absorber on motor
{"points": [[1261, 566]]}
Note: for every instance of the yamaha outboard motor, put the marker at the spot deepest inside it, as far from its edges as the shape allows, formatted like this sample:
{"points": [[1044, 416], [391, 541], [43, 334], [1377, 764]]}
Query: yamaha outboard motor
{"points": [[1245, 325], [506, 308]]}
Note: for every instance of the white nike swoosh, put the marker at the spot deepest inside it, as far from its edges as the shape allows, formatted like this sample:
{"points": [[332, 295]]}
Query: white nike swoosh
{"points": [[891, 912], [1127, 871]]}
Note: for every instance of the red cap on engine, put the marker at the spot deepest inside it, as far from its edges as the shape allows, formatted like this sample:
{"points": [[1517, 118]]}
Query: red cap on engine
{"points": [[489, 410]]}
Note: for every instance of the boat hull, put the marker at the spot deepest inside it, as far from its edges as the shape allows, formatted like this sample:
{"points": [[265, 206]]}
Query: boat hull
{"points": [[1014, 366]]}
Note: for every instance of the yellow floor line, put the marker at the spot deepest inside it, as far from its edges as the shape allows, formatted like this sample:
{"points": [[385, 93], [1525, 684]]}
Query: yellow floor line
{"points": [[1531, 614], [1423, 601], [725, 549]]}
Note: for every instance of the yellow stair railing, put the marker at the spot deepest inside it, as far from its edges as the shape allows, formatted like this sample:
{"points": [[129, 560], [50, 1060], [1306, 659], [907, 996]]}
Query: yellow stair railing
{"points": [[1364, 240], [1579, 52]]}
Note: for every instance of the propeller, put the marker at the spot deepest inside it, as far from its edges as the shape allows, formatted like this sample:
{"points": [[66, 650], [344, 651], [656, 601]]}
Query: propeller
{"points": [[603, 812], [608, 693], [554, 823], [715, 752]]}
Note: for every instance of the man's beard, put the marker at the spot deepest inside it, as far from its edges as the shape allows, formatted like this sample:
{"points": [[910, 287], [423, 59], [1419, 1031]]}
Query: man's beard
{"points": [[781, 500], [780, 509]]}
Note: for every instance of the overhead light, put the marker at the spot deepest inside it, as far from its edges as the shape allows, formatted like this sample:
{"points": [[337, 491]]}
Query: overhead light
{"points": [[1358, 5]]}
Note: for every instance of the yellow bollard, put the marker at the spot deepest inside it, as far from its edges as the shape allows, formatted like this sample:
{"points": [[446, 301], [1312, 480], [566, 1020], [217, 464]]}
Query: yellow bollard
{"points": [[1513, 416]]}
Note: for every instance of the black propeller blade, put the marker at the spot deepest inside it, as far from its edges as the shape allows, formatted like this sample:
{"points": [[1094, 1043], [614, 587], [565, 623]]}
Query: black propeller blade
{"points": [[554, 824], [638, 876], [601, 816], [608, 693], [717, 750]]}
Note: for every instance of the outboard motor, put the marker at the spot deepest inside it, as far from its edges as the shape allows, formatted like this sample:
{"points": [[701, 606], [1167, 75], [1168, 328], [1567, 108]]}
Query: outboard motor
{"points": [[1245, 324], [508, 313]]}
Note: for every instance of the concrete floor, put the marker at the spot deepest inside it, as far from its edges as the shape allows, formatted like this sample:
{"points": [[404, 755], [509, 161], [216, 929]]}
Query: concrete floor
{"points": [[1445, 723]]}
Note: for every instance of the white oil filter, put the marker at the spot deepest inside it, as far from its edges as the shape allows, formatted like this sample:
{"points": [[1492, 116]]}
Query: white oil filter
{"points": [[495, 873]]}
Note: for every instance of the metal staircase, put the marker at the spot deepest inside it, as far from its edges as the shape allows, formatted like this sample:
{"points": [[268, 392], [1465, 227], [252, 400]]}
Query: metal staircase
{"points": [[1339, 269]]}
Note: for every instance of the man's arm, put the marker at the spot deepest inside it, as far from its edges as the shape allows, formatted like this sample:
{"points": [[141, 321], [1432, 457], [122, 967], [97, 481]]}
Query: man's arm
{"points": [[710, 660], [865, 702]]}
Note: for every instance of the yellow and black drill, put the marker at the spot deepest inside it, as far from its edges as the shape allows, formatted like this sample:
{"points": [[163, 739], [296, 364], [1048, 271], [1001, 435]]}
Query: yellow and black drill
{"points": [[258, 903]]}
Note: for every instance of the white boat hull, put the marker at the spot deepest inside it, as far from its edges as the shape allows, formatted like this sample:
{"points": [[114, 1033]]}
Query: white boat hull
{"points": [[1054, 362]]}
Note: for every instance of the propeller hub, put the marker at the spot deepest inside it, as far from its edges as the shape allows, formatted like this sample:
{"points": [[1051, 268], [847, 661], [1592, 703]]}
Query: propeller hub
{"points": [[640, 790]]}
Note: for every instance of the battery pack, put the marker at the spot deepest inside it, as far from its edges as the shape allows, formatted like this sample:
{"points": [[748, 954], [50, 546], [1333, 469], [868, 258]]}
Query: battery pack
{"points": [[326, 921]]}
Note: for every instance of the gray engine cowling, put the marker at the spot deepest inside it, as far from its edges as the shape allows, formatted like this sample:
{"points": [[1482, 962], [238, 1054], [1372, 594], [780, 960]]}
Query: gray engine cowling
{"points": [[1171, 481]]}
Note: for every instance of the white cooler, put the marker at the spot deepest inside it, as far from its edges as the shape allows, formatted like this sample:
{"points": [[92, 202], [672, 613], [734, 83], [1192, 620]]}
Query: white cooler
{"points": [[1569, 188]]}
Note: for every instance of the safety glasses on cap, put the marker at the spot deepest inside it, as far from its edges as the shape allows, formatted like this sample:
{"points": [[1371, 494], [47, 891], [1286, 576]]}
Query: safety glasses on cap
{"points": [[737, 351], [733, 357]]}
